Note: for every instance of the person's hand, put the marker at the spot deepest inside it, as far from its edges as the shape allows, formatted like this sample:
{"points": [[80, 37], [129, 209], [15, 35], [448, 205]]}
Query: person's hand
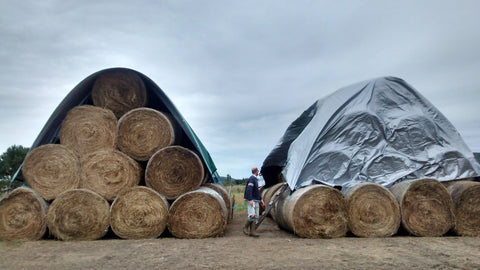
{"points": [[251, 203], [263, 204]]}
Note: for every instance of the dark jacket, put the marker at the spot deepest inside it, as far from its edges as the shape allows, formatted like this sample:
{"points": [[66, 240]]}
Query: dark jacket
{"points": [[251, 190]]}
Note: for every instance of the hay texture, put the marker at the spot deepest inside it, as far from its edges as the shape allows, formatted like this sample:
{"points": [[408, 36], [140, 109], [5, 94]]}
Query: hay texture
{"points": [[278, 211], [372, 210], [426, 207], [87, 128], [107, 172], [119, 90], [198, 214], [142, 132], [78, 214], [51, 169], [226, 198], [22, 215], [173, 171], [139, 213], [317, 211], [269, 193], [466, 201]]}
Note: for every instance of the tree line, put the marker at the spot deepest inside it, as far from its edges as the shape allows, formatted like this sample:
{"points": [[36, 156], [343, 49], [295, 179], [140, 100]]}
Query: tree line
{"points": [[10, 162]]}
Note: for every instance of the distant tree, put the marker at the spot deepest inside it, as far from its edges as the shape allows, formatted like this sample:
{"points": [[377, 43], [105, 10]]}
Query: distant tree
{"points": [[10, 161]]}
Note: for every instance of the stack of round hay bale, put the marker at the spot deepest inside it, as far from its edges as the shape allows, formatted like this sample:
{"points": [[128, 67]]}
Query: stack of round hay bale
{"points": [[423, 207], [116, 165]]}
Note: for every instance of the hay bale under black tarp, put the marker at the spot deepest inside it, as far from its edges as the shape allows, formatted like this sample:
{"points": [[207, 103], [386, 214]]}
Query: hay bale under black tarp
{"points": [[22, 215], [107, 172], [51, 169], [143, 131], [88, 128], [198, 214], [78, 214], [119, 90], [173, 171], [139, 213], [426, 207]]}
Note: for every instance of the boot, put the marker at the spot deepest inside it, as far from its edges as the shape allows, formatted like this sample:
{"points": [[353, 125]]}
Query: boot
{"points": [[253, 228], [246, 227]]}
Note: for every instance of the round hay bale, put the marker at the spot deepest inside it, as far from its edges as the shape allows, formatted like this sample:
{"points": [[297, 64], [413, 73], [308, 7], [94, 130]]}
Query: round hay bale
{"points": [[372, 211], [107, 172], [198, 214], [173, 171], [425, 205], [466, 201], [142, 132], [278, 210], [119, 90], [269, 193], [317, 211], [78, 214], [88, 128], [226, 198], [51, 169], [139, 213], [22, 215]]}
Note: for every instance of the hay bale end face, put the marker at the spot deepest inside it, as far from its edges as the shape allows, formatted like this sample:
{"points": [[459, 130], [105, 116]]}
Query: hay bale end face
{"points": [[466, 201], [372, 210], [317, 211], [78, 214], [224, 193], [119, 90], [51, 169], [22, 215], [198, 214], [142, 132], [173, 171], [88, 128], [107, 172], [139, 213], [426, 207]]}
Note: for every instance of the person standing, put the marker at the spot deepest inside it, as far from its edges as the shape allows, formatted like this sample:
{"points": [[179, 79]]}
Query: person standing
{"points": [[253, 197]]}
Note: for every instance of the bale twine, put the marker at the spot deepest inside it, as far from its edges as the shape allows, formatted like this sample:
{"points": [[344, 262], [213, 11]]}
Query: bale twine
{"points": [[107, 172], [198, 214], [425, 205], [317, 211], [466, 201], [372, 211], [119, 90], [139, 213], [88, 128], [143, 131], [51, 169], [78, 214], [226, 198], [22, 215], [173, 171]]}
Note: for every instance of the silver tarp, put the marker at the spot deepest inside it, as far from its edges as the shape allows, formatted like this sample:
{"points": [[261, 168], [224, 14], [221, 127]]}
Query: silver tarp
{"points": [[379, 131]]}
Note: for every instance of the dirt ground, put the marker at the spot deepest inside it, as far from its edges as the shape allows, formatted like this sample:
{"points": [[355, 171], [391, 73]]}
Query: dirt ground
{"points": [[274, 249]]}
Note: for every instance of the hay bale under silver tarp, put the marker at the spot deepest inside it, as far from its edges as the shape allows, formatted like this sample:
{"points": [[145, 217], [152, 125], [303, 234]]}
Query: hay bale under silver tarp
{"points": [[426, 207], [373, 211], [466, 202], [22, 215]]}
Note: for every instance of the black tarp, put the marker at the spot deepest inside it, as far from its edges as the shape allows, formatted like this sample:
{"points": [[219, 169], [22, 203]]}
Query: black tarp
{"points": [[157, 99], [380, 131]]}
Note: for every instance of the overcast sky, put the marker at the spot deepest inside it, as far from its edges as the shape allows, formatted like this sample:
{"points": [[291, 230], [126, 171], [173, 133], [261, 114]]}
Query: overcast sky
{"points": [[239, 71]]}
